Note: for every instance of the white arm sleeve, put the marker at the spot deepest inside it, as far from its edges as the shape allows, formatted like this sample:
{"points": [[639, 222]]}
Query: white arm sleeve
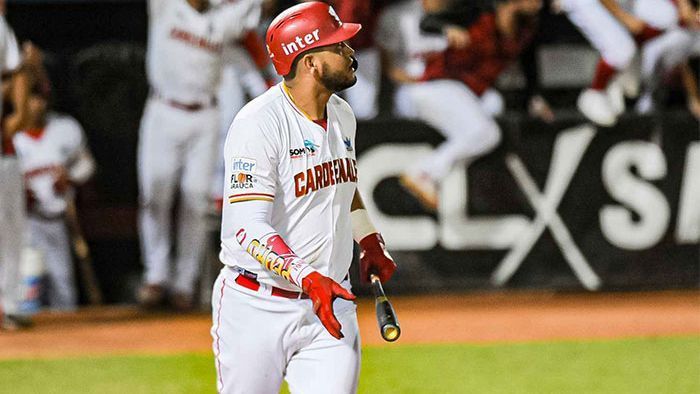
{"points": [[238, 17], [255, 234], [82, 167], [251, 154], [13, 56], [80, 163]]}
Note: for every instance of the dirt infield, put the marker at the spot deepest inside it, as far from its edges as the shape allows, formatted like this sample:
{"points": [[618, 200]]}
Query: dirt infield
{"points": [[474, 318]]}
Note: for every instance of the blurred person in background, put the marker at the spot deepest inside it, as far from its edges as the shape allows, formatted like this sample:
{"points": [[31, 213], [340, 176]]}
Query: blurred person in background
{"points": [[246, 74], [16, 80], [178, 137], [364, 96], [453, 22], [668, 55], [54, 159], [442, 80], [615, 30], [451, 19]]}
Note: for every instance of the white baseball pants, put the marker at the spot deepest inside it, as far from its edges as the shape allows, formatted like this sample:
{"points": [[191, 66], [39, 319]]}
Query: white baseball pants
{"points": [[260, 339], [51, 238], [610, 37], [454, 110], [176, 153], [665, 52], [12, 231]]}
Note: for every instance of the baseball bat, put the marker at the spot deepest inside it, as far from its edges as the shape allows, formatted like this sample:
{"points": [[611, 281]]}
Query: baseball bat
{"points": [[386, 316], [82, 252]]}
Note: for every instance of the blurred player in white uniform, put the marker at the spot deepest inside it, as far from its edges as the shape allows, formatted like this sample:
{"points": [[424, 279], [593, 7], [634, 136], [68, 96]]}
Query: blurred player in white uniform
{"points": [[178, 136], [282, 307], [615, 30], [668, 51], [54, 158], [12, 213], [364, 96], [243, 77], [455, 101]]}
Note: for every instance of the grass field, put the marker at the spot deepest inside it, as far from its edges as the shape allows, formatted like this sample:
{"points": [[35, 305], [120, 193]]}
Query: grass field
{"points": [[646, 365]]}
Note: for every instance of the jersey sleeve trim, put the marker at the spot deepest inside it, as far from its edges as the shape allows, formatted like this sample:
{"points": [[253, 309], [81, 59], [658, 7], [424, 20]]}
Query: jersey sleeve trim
{"points": [[234, 198]]}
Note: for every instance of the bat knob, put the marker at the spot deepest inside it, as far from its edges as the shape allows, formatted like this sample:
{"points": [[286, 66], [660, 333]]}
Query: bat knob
{"points": [[391, 332]]}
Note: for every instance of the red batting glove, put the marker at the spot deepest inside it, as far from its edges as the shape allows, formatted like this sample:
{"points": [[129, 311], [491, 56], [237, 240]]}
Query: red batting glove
{"points": [[374, 259], [323, 290]]}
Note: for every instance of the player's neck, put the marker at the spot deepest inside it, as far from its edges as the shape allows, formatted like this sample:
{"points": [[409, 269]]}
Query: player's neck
{"points": [[309, 98], [199, 6], [37, 122]]}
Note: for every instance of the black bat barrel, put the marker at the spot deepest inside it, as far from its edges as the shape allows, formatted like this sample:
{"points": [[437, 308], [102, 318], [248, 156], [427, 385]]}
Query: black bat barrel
{"points": [[386, 316]]}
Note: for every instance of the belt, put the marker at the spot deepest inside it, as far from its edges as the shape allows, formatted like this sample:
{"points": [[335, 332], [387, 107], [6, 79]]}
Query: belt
{"points": [[253, 284], [190, 107]]}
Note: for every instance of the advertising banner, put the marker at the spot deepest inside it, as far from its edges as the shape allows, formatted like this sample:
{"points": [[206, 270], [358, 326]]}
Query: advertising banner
{"points": [[563, 206]]}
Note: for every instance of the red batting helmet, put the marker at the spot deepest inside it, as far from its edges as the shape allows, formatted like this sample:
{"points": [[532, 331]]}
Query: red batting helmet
{"points": [[302, 27]]}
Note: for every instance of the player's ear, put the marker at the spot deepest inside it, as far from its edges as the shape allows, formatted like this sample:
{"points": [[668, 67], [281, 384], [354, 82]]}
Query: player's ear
{"points": [[311, 63]]}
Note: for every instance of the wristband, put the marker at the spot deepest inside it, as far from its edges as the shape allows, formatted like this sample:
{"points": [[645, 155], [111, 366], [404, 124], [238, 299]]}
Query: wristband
{"points": [[361, 224]]}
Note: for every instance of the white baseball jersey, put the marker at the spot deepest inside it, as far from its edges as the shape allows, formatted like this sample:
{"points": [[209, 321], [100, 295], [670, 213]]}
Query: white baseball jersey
{"points": [[275, 155], [60, 144], [184, 56]]}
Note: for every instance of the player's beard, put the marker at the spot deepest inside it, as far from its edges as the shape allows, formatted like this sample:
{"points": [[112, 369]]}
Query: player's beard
{"points": [[340, 79]]}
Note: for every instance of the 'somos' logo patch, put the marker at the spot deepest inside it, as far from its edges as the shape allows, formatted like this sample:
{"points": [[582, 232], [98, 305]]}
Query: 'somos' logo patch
{"points": [[309, 149]]}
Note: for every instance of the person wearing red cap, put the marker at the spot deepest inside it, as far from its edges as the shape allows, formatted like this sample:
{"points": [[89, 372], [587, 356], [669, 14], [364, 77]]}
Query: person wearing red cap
{"points": [[282, 305]]}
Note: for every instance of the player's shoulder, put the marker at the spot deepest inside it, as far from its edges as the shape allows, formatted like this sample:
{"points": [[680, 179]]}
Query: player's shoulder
{"points": [[64, 129], [341, 106], [21, 138], [65, 122], [262, 115], [264, 108], [343, 111]]}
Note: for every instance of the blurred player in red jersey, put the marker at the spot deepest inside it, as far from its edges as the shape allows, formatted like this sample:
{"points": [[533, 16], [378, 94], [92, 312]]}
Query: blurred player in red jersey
{"points": [[441, 80]]}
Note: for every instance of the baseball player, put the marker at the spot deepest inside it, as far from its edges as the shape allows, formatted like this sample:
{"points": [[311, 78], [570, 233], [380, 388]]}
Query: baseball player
{"points": [[282, 306], [178, 136], [12, 214], [615, 33], [445, 87], [54, 157]]}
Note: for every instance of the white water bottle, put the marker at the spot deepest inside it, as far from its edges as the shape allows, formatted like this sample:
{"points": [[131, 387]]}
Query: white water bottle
{"points": [[32, 270]]}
